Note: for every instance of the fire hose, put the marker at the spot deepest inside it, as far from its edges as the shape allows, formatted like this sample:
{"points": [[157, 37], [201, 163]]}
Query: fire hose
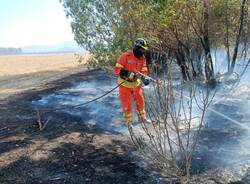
{"points": [[103, 95]]}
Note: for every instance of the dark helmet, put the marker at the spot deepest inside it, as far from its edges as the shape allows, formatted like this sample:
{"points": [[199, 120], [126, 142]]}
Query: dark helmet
{"points": [[140, 42]]}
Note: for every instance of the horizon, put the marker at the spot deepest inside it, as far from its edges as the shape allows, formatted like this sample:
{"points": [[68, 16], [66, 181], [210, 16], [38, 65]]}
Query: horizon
{"points": [[63, 47], [33, 23], [45, 45]]}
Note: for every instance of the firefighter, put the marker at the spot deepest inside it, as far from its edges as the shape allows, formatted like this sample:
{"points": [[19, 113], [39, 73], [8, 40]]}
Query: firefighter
{"points": [[127, 67]]}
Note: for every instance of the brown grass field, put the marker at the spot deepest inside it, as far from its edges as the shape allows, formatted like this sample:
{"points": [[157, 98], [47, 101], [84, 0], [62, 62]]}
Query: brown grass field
{"points": [[25, 72], [23, 64]]}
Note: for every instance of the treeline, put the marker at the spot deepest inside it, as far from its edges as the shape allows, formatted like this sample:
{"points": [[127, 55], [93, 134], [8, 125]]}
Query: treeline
{"points": [[183, 30], [10, 51]]}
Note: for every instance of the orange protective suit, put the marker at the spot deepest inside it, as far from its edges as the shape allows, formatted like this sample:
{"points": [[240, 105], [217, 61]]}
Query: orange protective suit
{"points": [[130, 91]]}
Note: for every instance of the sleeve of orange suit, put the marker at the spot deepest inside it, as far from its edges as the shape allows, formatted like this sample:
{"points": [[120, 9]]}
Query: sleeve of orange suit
{"points": [[120, 63], [144, 68]]}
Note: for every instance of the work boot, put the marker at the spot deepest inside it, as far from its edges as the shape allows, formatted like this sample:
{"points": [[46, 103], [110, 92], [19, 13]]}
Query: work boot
{"points": [[145, 120], [128, 123]]}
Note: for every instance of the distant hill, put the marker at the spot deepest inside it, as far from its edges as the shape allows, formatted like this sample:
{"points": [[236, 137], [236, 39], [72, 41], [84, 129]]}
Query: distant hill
{"points": [[10, 51], [58, 48]]}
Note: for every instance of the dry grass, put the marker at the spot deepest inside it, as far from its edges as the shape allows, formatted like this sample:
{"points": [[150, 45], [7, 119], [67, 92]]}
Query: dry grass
{"points": [[25, 72], [24, 64]]}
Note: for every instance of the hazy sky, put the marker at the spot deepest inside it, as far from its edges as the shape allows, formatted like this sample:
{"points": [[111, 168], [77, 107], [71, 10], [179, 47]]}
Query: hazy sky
{"points": [[33, 22]]}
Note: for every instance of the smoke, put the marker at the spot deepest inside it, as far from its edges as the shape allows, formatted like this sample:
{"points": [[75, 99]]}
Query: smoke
{"points": [[224, 142]]}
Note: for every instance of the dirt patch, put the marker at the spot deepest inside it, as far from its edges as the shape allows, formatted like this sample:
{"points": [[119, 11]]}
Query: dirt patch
{"points": [[67, 150]]}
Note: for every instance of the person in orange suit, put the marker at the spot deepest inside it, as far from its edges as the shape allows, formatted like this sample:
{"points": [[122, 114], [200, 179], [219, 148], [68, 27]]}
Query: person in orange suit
{"points": [[127, 67]]}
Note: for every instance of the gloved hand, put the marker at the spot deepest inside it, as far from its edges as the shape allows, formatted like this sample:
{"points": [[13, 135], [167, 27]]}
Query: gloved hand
{"points": [[145, 81], [125, 74]]}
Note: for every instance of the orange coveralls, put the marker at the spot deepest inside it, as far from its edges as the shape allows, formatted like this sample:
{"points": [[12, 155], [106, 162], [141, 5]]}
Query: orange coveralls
{"points": [[131, 90]]}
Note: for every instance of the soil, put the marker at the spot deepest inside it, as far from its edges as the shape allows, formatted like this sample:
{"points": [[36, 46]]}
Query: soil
{"points": [[66, 150]]}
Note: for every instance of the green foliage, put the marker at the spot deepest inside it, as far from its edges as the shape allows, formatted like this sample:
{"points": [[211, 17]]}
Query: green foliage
{"points": [[107, 28], [94, 24]]}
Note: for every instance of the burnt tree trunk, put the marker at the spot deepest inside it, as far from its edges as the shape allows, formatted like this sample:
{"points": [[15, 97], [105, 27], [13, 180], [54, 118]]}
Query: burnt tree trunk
{"points": [[209, 69], [184, 53], [238, 36], [227, 36], [181, 62]]}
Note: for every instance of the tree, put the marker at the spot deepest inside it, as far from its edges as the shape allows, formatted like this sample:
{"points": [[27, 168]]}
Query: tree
{"points": [[238, 36]]}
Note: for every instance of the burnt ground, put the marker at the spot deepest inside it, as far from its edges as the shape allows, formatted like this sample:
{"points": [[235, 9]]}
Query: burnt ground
{"points": [[67, 150]]}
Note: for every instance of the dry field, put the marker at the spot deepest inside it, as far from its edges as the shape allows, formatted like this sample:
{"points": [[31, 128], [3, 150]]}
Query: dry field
{"points": [[25, 72], [24, 64], [66, 149]]}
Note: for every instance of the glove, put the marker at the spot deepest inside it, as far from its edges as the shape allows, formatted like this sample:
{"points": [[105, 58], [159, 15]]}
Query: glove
{"points": [[125, 74], [145, 81]]}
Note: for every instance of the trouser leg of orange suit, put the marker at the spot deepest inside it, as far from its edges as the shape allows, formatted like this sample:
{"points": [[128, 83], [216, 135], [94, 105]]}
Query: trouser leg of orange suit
{"points": [[139, 101], [126, 101]]}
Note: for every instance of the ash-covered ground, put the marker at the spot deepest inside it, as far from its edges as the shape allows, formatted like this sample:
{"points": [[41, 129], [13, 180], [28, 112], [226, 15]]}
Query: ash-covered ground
{"points": [[90, 144], [76, 145]]}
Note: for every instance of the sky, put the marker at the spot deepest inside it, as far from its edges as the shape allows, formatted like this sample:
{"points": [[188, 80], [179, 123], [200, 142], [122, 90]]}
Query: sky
{"points": [[33, 22]]}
